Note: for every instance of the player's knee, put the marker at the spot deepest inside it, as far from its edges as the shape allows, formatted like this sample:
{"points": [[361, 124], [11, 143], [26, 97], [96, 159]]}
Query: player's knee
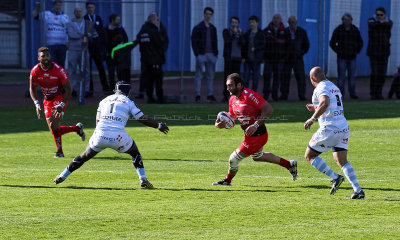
{"points": [[234, 160], [256, 156]]}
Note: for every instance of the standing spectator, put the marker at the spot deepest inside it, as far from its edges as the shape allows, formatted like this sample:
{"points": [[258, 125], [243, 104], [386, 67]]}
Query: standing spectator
{"points": [[274, 55], [56, 30], [113, 29], [76, 33], [379, 33], [121, 55], [233, 41], [253, 52], [205, 48], [395, 87], [346, 42], [153, 40], [297, 44], [95, 28]]}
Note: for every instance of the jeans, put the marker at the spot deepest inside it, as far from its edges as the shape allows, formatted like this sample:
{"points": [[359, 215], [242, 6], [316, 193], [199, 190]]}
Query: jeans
{"points": [[58, 53], [75, 71], [208, 60], [251, 69], [350, 66], [274, 67], [297, 64], [378, 75]]}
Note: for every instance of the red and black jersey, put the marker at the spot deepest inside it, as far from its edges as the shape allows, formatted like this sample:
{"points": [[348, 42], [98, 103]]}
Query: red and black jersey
{"points": [[50, 81], [247, 108]]}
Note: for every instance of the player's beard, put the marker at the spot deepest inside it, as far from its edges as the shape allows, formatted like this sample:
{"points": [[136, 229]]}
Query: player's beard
{"points": [[235, 91], [45, 64]]}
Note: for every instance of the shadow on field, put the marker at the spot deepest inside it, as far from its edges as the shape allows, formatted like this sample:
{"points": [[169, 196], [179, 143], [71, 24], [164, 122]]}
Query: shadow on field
{"points": [[68, 187], [154, 159], [218, 190], [350, 188]]}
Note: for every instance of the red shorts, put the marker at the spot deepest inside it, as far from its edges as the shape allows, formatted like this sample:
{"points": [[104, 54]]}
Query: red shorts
{"points": [[49, 105], [251, 145]]}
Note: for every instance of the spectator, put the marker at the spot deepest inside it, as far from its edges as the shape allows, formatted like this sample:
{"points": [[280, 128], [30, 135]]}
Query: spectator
{"points": [[113, 29], [205, 48], [297, 44], [121, 55], [395, 87], [379, 32], [253, 52], [153, 40], [274, 55], [76, 52], [96, 53], [346, 42], [56, 31], [233, 41]]}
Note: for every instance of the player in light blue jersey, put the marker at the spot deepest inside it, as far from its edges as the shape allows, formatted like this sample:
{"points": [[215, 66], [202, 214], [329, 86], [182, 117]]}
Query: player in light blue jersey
{"points": [[112, 116], [333, 133]]}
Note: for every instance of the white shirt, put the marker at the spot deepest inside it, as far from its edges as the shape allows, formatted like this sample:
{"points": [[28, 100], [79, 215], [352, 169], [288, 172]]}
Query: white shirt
{"points": [[333, 118], [56, 27], [114, 112]]}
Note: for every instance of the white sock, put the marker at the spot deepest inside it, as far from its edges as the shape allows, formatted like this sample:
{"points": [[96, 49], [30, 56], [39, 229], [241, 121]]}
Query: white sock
{"points": [[350, 174], [141, 174], [321, 166]]}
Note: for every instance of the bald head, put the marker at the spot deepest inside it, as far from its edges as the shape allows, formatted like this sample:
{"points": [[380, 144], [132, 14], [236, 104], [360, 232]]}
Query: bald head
{"points": [[317, 75]]}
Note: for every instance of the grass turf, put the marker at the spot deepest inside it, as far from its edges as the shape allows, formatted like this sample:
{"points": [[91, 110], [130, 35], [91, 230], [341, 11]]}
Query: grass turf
{"points": [[103, 199]]}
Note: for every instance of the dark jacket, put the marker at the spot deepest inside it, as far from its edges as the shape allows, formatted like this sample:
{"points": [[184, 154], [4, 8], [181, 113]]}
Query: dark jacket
{"points": [[153, 44], [259, 45], [199, 39], [274, 42], [109, 36], [121, 54], [95, 26], [346, 44], [297, 47], [229, 36], [379, 38]]}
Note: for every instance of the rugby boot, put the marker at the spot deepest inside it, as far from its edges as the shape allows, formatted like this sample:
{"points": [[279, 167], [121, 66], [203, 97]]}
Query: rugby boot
{"points": [[336, 184], [293, 169], [357, 195], [59, 155], [58, 180], [145, 184], [222, 182]]}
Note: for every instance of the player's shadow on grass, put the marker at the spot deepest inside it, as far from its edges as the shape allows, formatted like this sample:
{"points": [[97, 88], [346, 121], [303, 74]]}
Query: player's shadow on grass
{"points": [[350, 188], [154, 159], [69, 187]]}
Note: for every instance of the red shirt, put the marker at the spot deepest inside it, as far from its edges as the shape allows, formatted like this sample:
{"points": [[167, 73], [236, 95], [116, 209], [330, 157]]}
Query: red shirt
{"points": [[50, 81], [246, 108]]}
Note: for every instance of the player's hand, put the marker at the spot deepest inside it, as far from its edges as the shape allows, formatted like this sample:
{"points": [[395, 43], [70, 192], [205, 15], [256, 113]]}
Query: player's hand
{"points": [[310, 107], [163, 128], [220, 124], [250, 130], [59, 108], [38, 109], [308, 124]]}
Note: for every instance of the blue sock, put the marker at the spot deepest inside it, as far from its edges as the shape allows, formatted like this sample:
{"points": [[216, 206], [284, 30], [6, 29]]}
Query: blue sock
{"points": [[65, 173], [350, 174], [321, 166], [141, 173]]}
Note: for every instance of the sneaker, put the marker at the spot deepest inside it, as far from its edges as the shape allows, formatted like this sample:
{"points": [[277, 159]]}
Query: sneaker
{"points": [[357, 195], [81, 133], [293, 169], [58, 180], [59, 155], [222, 182], [336, 184], [197, 99], [211, 98], [145, 184]]}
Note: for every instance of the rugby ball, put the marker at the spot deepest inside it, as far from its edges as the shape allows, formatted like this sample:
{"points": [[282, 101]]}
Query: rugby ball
{"points": [[227, 118]]}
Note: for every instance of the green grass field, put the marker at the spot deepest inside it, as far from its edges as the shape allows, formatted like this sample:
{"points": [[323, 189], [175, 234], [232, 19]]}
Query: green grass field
{"points": [[103, 199]]}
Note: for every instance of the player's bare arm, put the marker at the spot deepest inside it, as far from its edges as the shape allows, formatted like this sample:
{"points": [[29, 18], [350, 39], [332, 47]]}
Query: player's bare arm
{"points": [[266, 111], [33, 92], [151, 123], [319, 110]]}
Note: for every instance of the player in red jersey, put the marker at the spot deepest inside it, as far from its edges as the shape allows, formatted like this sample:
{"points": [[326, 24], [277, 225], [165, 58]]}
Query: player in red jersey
{"points": [[251, 110], [56, 88]]}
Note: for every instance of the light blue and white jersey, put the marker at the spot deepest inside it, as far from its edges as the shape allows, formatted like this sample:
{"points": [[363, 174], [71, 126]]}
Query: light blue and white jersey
{"points": [[114, 111], [333, 118]]}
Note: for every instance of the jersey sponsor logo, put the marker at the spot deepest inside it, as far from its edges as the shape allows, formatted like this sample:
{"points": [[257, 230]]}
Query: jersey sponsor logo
{"points": [[246, 145], [119, 138], [120, 147], [113, 118], [252, 97], [108, 138]]}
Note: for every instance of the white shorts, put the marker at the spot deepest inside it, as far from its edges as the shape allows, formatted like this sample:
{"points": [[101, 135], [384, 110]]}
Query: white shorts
{"points": [[120, 141], [323, 140]]}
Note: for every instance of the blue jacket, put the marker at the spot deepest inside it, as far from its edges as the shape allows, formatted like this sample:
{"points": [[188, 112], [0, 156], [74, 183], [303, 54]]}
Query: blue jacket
{"points": [[199, 39]]}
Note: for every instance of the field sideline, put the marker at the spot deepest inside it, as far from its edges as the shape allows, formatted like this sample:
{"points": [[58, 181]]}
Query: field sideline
{"points": [[103, 199]]}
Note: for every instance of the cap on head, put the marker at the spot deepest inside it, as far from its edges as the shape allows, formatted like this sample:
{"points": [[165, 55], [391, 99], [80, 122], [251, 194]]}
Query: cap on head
{"points": [[123, 87]]}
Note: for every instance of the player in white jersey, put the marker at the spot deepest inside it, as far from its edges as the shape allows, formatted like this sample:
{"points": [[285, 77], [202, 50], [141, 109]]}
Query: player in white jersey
{"points": [[333, 133], [112, 116]]}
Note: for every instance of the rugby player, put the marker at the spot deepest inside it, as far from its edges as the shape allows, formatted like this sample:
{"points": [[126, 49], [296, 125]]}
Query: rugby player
{"points": [[252, 111], [56, 88], [112, 115], [333, 133]]}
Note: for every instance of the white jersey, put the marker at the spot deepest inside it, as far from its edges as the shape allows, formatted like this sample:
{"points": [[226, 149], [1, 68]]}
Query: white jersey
{"points": [[333, 118], [56, 27], [114, 111]]}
